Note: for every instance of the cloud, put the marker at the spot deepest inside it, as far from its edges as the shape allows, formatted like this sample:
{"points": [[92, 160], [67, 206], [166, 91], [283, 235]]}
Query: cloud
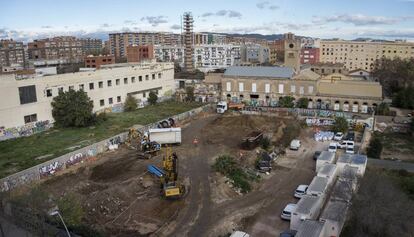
{"points": [[175, 27], [130, 22], [358, 19], [155, 20], [223, 13], [105, 25], [46, 27], [266, 5]]}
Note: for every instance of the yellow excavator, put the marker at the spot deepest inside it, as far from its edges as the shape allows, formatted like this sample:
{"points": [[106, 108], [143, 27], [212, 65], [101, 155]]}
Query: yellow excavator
{"points": [[171, 187], [140, 142]]}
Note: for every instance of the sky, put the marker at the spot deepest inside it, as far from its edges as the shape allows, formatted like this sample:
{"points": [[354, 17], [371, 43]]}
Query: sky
{"points": [[347, 19]]}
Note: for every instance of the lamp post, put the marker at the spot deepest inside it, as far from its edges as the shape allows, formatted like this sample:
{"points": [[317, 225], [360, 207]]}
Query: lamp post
{"points": [[56, 212]]}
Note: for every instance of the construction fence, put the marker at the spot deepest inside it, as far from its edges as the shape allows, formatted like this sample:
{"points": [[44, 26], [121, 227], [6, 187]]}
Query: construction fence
{"points": [[85, 154]]}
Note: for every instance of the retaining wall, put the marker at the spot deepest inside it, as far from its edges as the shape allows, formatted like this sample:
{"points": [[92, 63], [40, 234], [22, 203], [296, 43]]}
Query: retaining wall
{"points": [[85, 154]]}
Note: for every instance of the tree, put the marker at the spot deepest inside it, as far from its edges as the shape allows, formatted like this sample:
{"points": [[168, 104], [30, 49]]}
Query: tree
{"points": [[189, 90], [302, 103], [72, 109], [152, 98], [375, 148], [286, 102], [382, 109], [404, 98], [130, 103], [340, 125]]}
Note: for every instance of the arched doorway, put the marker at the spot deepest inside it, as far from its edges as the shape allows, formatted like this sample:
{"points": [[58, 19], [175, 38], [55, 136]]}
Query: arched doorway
{"points": [[345, 106], [337, 105], [310, 104], [364, 108], [319, 104], [355, 107]]}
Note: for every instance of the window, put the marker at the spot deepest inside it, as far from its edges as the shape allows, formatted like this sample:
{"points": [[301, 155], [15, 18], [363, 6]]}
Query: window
{"points": [[144, 94], [117, 82], [110, 101], [228, 86], [241, 86], [140, 78], [30, 118], [27, 94], [281, 87], [118, 99], [146, 77], [49, 92], [60, 90], [81, 87], [100, 84], [71, 87], [310, 89], [267, 88], [292, 89], [109, 82], [153, 76], [301, 90], [91, 86], [125, 80], [159, 75], [254, 89], [132, 79], [102, 102]]}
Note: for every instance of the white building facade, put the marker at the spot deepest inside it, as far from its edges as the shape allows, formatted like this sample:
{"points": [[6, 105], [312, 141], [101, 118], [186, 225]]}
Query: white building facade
{"points": [[29, 100]]}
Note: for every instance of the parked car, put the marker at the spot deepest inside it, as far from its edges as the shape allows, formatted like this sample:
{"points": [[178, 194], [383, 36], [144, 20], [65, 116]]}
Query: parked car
{"points": [[350, 150], [350, 136], [288, 233], [333, 146], [301, 190], [295, 144], [239, 234], [287, 212], [341, 145], [316, 154], [338, 136]]}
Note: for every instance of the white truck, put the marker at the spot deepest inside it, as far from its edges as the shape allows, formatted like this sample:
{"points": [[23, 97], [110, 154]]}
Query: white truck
{"points": [[221, 107], [165, 135]]}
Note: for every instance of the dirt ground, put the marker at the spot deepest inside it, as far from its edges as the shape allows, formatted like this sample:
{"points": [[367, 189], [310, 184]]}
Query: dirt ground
{"points": [[123, 199]]}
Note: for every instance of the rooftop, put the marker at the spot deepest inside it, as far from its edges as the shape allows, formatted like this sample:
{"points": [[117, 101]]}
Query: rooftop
{"points": [[310, 228], [343, 190], [318, 184], [275, 72], [335, 211], [327, 170], [327, 156], [306, 203]]}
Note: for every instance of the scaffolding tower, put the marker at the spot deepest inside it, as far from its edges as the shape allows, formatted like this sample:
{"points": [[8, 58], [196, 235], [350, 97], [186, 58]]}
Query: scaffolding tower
{"points": [[188, 41]]}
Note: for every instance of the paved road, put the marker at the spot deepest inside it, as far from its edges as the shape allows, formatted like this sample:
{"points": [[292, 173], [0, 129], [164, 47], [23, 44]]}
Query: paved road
{"points": [[389, 164]]}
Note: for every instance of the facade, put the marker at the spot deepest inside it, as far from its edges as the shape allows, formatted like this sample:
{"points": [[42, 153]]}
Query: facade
{"points": [[98, 61], [254, 53], [200, 38], [118, 42], [308, 42], [65, 48], [328, 68], [309, 55], [276, 51], [137, 53], [264, 86], [29, 100], [92, 46], [12, 54], [292, 52], [362, 54]]}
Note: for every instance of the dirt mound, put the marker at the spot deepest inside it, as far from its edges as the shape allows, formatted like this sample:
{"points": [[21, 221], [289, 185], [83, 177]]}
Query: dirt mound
{"points": [[112, 169]]}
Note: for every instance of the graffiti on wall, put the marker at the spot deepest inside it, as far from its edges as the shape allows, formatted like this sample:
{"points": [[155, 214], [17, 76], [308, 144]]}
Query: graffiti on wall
{"points": [[25, 130], [319, 122], [113, 143], [50, 169]]}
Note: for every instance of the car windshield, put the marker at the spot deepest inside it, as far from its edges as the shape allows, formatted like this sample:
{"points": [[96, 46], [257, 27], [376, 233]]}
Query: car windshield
{"points": [[332, 147], [220, 106], [286, 212]]}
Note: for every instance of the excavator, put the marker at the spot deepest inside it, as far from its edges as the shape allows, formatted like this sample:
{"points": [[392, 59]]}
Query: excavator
{"points": [[140, 142], [171, 187]]}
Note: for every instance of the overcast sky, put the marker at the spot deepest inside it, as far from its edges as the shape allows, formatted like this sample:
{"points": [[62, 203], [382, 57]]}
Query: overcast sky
{"points": [[347, 19]]}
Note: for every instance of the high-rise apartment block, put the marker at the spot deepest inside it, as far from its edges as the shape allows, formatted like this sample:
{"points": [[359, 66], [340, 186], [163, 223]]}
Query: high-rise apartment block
{"points": [[65, 48], [11, 53], [92, 46], [362, 54]]}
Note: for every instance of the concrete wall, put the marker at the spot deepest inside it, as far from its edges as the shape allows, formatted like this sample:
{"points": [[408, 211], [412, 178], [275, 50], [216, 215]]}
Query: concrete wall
{"points": [[85, 154]]}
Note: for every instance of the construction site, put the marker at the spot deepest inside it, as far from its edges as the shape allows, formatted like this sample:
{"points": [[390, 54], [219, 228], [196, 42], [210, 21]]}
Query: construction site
{"points": [[126, 192]]}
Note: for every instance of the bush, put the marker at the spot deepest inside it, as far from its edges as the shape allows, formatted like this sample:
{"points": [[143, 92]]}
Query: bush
{"points": [[228, 166], [72, 109], [130, 103], [152, 98], [302, 103], [71, 210], [286, 102], [375, 148], [189, 90], [340, 125], [265, 143], [382, 109], [290, 132], [404, 98]]}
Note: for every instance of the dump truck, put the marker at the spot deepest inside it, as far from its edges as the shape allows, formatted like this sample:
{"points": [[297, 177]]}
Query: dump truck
{"points": [[223, 106]]}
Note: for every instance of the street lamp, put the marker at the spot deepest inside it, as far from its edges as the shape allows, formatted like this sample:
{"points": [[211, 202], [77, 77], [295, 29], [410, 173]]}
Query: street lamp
{"points": [[56, 212]]}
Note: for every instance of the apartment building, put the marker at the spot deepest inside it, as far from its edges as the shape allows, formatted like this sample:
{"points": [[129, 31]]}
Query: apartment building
{"points": [[264, 86], [29, 100], [91, 46], [362, 54], [137, 53], [97, 61], [254, 53], [12, 54], [308, 42], [65, 48], [118, 42], [309, 55], [200, 38], [276, 51]]}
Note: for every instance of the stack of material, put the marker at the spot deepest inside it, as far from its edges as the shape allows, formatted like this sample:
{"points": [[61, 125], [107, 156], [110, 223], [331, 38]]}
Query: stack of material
{"points": [[324, 136]]}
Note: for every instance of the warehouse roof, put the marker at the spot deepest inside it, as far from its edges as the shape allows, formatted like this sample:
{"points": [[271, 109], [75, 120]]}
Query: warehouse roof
{"points": [[326, 156], [318, 184], [276, 72], [327, 170], [343, 190], [306, 203], [310, 228], [335, 211]]}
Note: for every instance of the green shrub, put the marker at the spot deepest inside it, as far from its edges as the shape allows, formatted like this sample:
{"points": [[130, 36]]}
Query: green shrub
{"points": [[375, 148], [226, 165], [265, 143], [130, 103]]}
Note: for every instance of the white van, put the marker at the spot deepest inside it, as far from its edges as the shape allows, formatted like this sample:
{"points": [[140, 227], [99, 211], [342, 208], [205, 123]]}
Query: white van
{"points": [[295, 144]]}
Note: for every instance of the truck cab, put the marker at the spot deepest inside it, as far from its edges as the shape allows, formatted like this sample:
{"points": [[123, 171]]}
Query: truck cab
{"points": [[221, 107]]}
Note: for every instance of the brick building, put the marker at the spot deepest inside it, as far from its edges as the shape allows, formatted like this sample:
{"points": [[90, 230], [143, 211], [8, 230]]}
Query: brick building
{"points": [[11, 53], [309, 55], [67, 48], [92, 46], [137, 53], [97, 61]]}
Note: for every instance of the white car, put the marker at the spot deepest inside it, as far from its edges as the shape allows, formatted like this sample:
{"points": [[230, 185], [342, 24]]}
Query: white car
{"points": [[345, 144], [333, 146], [295, 144], [338, 136], [287, 212], [301, 190], [350, 150]]}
